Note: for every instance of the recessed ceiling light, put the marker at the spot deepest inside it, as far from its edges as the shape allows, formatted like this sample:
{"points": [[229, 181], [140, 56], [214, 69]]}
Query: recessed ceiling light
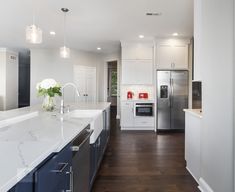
{"points": [[141, 36], [52, 33], [175, 34], [99, 48]]}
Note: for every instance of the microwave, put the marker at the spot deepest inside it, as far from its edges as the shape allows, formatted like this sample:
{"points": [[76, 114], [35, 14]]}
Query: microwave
{"points": [[144, 109]]}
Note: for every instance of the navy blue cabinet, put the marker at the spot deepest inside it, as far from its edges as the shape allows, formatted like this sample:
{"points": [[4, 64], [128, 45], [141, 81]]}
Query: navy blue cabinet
{"points": [[25, 185], [55, 174], [98, 148], [93, 162]]}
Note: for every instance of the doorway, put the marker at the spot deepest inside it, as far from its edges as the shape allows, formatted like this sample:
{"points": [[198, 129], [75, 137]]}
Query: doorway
{"points": [[112, 87], [24, 79]]}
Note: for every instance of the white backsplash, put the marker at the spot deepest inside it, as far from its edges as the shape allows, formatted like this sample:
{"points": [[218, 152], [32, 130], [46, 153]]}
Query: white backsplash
{"points": [[136, 89]]}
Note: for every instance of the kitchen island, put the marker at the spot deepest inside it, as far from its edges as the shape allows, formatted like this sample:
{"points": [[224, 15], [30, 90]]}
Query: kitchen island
{"points": [[28, 136]]}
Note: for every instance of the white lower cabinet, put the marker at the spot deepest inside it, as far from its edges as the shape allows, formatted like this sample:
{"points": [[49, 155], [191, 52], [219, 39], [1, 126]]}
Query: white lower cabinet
{"points": [[127, 114], [193, 144], [130, 122], [144, 122]]}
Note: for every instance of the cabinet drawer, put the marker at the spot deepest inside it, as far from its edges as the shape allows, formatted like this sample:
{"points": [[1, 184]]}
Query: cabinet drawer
{"points": [[53, 175], [144, 122]]}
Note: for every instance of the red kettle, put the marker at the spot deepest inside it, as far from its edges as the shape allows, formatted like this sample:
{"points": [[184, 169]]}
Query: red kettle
{"points": [[130, 95]]}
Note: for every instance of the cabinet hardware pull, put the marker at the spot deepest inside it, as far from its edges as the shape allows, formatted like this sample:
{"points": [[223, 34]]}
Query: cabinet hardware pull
{"points": [[70, 172], [63, 166], [75, 148]]}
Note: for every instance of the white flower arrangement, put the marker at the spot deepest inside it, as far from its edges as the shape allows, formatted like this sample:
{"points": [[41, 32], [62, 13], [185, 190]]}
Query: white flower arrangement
{"points": [[48, 87]]}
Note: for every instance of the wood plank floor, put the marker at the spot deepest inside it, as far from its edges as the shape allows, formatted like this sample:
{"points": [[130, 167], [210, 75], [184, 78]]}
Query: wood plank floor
{"points": [[144, 162]]}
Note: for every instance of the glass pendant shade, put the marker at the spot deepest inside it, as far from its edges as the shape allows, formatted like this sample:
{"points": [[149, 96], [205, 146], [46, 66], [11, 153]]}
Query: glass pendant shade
{"points": [[64, 52], [33, 34]]}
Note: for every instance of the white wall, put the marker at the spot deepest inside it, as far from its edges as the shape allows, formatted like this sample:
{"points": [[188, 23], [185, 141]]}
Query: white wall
{"points": [[217, 94], [2, 79], [46, 63], [8, 79], [106, 58]]}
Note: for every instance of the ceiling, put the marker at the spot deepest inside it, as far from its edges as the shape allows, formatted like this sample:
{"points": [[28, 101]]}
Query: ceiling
{"points": [[93, 23]]}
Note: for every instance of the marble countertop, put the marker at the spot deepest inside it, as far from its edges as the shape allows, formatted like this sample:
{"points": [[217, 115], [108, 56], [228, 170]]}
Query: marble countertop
{"points": [[195, 112], [25, 144]]}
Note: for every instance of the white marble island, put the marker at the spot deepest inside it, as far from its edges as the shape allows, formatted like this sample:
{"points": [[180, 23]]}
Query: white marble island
{"points": [[24, 145]]}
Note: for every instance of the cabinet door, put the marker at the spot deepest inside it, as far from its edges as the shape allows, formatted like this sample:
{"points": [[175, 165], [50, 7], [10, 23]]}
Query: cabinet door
{"points": [[172, 57], [26, 184], [164, 57], [180, 57], [193, 144], [127, 114], [93, 163], [53, 175], [137, 52], [137, 72]]}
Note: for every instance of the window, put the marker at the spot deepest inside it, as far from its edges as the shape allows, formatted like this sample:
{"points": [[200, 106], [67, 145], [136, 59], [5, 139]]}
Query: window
{"points": [[114, 83]]}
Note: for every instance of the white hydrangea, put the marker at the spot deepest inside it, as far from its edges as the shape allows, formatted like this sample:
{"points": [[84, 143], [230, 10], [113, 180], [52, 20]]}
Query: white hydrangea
{"points": [[46, 84]]}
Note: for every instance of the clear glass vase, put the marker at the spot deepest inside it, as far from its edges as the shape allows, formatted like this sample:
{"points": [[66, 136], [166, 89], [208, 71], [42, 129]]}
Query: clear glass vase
{"points": [[48, 103]]}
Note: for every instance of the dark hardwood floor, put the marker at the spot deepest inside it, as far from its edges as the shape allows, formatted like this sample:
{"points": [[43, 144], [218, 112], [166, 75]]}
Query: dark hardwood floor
{"points": [[143, 162]]}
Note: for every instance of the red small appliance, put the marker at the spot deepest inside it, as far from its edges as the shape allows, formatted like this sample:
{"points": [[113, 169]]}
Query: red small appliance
{"points": [[143, 96], [130, 95]]}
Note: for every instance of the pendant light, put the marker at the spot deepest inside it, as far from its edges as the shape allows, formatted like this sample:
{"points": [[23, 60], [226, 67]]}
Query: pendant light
{"points": [[64, 51], [33, 33]]}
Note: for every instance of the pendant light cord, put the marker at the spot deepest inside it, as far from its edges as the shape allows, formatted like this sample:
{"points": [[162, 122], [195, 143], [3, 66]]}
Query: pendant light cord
{"points": [[64, 28], [34, 11]]}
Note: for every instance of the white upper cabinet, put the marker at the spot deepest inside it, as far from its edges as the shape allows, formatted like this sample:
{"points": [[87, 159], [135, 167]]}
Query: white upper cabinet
{"points": [[137, 72], [137, 63], [137, 51], [172, 56]]}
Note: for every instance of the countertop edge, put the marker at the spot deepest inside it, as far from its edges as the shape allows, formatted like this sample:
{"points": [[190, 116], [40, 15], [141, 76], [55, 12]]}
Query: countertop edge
{"points": [[194, 112]]}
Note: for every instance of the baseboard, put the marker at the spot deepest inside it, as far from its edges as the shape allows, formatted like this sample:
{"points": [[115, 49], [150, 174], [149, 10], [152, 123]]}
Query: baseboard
{"points": [[192, 175], [137, 128], [117, 116], [203, 186]]}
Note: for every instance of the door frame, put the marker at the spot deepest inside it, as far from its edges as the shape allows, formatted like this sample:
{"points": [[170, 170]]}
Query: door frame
{"points": [[115, 57]]}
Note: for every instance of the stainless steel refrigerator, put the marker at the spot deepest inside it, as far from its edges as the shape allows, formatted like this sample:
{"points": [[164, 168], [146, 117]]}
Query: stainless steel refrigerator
{"points": [[172, 98]]}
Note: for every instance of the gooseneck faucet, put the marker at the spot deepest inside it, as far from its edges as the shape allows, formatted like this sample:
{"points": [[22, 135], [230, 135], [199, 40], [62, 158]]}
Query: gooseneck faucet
{"points": [[62, 99]]}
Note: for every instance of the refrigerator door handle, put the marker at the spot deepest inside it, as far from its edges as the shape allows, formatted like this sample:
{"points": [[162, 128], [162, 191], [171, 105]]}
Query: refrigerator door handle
{"points": [[169, 94], [172, 92]]}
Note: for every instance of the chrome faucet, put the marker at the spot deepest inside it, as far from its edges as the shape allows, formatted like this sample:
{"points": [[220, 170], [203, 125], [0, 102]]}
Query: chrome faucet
{"points": [[62, 100]]}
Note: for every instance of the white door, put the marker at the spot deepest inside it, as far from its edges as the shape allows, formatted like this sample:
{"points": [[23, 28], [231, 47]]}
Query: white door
{"points": [[91, 84], [85, 79]]}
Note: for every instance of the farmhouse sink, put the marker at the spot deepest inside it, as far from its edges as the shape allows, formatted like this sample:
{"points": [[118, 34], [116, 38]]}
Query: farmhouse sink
{"points": [[17, 119], [96, 124]]}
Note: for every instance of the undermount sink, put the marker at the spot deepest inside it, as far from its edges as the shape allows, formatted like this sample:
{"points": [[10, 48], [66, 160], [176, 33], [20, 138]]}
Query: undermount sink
{"points": [[17, 119], [96, 124]]}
